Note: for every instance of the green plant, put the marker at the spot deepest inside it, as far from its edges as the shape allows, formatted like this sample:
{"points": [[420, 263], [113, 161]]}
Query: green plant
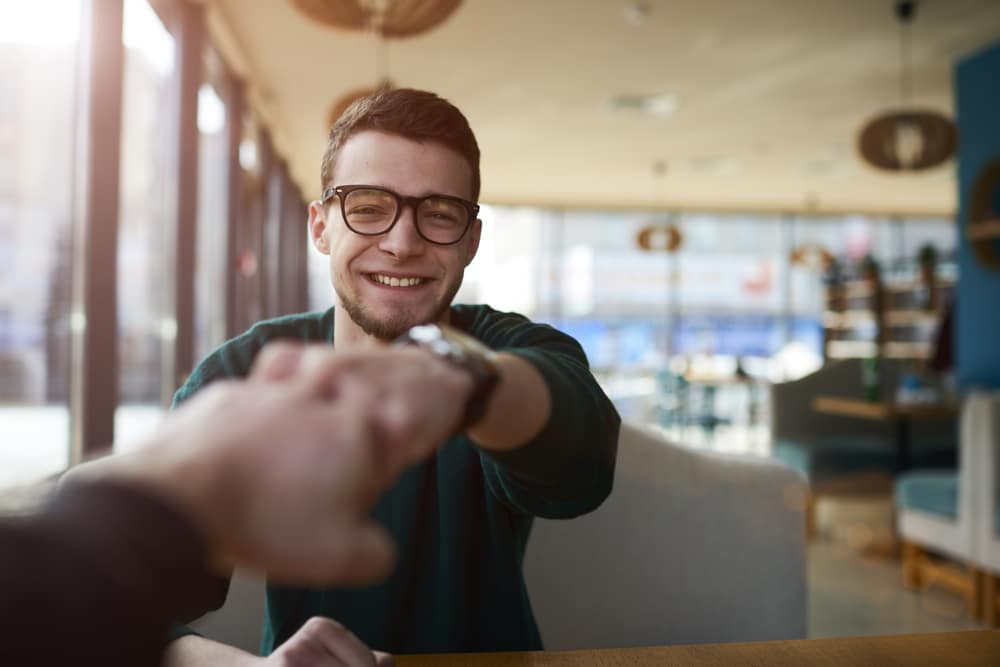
{"points": [[927, 255], [868, 266]]}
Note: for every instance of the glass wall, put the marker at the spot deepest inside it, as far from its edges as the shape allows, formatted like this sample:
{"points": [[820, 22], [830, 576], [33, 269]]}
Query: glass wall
{"points": [[728, 301], [213, 211], [38, 42], [39, 103], [145, 219]]}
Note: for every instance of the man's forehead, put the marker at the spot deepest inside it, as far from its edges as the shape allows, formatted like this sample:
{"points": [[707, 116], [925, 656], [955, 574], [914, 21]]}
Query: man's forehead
{"points": [[374, 157]]}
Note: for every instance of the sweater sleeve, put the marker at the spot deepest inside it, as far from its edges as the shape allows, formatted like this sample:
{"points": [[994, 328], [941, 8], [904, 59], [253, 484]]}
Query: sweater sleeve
{"points": [[568, 468], [96, 578]]}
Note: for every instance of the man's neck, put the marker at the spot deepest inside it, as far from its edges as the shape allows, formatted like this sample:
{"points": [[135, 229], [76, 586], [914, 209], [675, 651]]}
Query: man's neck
{"points": [[347, 334]]}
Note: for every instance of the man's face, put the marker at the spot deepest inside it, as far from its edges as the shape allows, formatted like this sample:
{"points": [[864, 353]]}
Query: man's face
{"points": [[427, 276]]}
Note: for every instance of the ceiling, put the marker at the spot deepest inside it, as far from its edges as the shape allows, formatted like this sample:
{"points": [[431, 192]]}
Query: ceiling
{"points": [[771, 95]]}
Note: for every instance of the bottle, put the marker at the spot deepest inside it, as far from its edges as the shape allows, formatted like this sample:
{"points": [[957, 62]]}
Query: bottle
{"points": [[871, 378]]}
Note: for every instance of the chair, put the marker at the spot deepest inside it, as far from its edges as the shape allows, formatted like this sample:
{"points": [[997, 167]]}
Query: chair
{"points": [[839, 455], [690, 547], [981, 429], [240, 621], [937, 515], [672, 408]]}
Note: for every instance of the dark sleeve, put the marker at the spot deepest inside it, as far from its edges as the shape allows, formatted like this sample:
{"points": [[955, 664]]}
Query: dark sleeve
{"points": [[231, 360], [96, 578], [568, 468]]}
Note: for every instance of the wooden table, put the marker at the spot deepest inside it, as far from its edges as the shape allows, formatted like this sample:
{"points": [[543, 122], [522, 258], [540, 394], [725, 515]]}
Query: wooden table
{"points": [[979, 648], [900, 414]]}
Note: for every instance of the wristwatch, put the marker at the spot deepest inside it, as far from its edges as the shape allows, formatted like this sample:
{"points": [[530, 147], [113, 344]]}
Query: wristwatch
{"points": [[465, 352]]}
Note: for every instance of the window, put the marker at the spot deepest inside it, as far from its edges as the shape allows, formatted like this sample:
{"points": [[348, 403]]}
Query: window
{"points": [[38, 67], [145, 218], [213, 211]]}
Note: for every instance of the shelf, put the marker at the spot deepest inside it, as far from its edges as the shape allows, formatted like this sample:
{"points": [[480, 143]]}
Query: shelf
{"points": [[910, 317], [857, 288], [908, 350], [849, 349], [983, 231], [895, 323], [848, 319], [911, 285]]}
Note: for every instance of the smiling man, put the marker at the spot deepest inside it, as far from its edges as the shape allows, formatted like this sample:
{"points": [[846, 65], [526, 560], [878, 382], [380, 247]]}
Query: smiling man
{"points": [[398, 220]]}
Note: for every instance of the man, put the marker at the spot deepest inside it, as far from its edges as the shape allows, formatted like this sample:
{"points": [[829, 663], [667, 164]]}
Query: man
{"points": [[96, 578], [397, 218]]}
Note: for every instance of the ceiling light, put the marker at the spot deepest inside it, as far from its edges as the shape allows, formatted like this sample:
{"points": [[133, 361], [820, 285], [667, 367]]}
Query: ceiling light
{"points": [[908, 139], [661, 106]]}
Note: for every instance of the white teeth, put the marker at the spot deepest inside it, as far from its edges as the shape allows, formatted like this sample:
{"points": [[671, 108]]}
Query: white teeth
{"points": [[396, 282]]}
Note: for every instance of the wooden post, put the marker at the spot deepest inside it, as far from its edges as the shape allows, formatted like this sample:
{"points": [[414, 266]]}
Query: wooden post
{"points": [[94, 317], [179, 348], [912, 556], [990, 590]]}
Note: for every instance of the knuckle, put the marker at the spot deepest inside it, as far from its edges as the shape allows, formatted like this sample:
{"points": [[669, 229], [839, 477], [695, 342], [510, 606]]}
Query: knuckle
{"points": [[318, 625]]}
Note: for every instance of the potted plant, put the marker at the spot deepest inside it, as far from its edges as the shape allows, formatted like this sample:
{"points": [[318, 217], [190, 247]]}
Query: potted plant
{"points": [[868, 268]]}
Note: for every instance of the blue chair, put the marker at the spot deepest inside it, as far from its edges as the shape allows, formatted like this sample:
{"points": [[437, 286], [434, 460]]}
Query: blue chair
{"points": [[936, 515]]}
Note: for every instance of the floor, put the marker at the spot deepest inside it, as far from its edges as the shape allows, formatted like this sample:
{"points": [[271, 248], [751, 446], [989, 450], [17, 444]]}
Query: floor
{"points": [[852, 593]]}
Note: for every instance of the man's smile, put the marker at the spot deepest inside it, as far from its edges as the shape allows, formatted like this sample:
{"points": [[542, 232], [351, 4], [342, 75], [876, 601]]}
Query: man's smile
{"points": [[396, 281]]}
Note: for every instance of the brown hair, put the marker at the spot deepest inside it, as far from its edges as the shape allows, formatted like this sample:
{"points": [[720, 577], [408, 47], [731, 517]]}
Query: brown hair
{"points": [[412, 114]]}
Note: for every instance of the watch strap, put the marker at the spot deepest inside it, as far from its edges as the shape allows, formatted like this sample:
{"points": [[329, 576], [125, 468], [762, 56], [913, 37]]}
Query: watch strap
{"points": [[462, 351]]}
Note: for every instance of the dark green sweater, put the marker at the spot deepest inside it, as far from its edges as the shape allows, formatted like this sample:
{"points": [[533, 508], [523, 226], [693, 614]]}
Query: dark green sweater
{"points": [[462, 518]]}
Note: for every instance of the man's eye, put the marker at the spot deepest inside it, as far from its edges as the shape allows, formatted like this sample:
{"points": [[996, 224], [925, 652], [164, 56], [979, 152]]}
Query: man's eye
{"points": [[367, 210]]}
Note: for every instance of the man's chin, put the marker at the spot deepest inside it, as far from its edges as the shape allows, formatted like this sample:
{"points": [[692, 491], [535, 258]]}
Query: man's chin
{"points": [[387, 328]]}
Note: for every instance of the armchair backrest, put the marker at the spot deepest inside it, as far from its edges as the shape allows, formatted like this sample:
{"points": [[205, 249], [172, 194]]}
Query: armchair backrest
{"points": [[690, 547]]}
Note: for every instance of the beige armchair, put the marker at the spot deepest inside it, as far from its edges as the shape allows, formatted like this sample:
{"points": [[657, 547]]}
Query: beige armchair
{"points": [[690, 547]]}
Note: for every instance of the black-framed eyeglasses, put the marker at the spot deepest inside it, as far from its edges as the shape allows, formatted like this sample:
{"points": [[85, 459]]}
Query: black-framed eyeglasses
{"points": [[370, 210]]}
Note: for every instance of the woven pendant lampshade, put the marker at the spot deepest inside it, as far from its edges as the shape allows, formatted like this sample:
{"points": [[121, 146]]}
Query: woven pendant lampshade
{"points": [[811, 256], [660, 238], [907, 139], [340, 106], [398, 18]]}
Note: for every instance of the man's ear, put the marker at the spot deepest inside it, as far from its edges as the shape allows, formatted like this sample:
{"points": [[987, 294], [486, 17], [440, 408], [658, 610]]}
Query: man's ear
{"points": [[474, 232], [317, 227]]}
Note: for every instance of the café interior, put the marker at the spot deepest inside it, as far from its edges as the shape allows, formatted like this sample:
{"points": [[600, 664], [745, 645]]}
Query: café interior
{"points": [[758, 219]]}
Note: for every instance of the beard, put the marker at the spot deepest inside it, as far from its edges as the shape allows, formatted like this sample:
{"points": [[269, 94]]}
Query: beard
{"points": [[398, 322]]}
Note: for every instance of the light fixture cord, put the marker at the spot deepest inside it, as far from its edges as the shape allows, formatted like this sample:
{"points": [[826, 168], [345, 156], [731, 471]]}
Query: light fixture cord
{"points": [[905, 10], [378, 12]]}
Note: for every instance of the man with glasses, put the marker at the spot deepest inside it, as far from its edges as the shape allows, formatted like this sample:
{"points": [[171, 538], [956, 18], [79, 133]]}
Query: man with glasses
{"points": [[397, 219]]}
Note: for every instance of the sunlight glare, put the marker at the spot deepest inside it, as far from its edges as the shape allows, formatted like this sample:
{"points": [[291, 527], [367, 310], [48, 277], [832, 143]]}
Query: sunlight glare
{"points": [[39, 21], [143, 32]]}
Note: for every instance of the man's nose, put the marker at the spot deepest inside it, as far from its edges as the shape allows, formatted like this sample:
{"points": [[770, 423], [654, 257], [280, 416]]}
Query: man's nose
{"points": [[403, 240]]}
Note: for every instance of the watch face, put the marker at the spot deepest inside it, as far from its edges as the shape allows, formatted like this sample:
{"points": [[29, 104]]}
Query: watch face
{"points": [[425, 333]]}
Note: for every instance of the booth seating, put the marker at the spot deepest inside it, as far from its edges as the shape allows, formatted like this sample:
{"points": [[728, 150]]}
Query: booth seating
{"points": [[937, 517], [690, 547], [842, 455], [981, 428]]}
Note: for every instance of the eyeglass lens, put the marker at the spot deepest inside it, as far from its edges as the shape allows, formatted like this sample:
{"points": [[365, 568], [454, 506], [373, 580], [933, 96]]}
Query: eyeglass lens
{"points": [[369, 211]]}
